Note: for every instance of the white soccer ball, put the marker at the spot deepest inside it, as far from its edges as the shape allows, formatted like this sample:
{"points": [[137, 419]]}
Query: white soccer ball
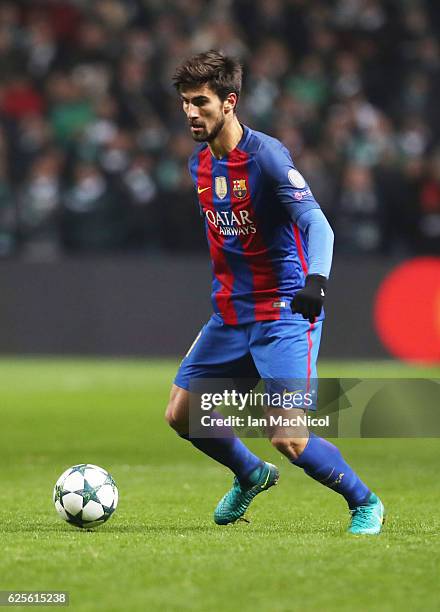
{"points": [[85, 495]]}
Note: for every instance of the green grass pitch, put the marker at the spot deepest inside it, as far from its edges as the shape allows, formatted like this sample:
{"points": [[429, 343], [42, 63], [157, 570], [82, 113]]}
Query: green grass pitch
{"points": [[161, 550]]}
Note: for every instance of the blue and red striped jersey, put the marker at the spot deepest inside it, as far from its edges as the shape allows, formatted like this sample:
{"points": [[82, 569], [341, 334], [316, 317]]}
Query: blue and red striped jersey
{"points": [[250, 200]]}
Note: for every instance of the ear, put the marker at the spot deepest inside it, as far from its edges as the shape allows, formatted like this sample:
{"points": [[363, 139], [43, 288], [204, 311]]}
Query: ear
{"points": [[230, 103]]}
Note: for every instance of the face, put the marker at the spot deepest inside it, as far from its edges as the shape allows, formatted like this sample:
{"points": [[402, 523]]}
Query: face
{"points": [[205, 112]]}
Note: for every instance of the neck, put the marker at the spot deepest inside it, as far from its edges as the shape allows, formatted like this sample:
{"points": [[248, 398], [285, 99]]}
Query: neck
{"points": [[227, 139]]}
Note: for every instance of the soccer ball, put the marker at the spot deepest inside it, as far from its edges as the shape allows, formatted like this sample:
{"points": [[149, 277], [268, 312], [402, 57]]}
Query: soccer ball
{"points": [[85, 495]]}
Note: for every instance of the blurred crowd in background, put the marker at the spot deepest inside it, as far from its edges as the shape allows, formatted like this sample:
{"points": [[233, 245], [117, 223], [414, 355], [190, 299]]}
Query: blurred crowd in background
{"points": [[94, 145]]}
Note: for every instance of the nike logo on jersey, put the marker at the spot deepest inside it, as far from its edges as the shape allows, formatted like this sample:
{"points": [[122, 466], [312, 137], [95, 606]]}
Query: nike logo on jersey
{"points": [[322, 292], [202, 189]]}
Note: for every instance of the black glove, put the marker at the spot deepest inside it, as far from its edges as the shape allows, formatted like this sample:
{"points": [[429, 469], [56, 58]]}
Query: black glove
{"points": [[309, 300]]}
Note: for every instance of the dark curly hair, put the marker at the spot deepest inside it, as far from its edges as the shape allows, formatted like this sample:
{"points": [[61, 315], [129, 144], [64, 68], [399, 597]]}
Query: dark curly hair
{"points": [[221, 73]]}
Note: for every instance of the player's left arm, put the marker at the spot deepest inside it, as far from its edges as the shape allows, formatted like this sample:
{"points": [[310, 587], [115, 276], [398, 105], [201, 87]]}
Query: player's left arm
{"points": [[309, 300], [298, 200]]}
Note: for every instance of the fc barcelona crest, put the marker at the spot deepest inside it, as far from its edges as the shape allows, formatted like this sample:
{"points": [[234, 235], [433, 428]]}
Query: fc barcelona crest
{"points": [[239, 188], [221, 186]]}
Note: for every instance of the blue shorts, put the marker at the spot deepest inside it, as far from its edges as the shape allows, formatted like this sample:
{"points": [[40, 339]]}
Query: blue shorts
{"points": [[283, 353]]}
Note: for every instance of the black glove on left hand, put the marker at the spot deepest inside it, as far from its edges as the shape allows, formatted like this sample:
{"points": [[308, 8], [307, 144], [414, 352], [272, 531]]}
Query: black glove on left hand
{"points": [[309, 300]]}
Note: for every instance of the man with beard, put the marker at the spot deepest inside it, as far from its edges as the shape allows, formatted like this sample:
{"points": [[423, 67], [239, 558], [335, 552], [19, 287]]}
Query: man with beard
{"points": [[271, 250]]}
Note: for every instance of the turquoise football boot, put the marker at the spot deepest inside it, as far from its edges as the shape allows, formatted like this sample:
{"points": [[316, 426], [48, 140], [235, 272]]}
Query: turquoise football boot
{"points": [[234, 504], [367, 519]]}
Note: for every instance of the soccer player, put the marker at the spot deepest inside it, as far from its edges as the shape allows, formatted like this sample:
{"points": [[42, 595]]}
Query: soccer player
{"points": [[271, 248]]}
